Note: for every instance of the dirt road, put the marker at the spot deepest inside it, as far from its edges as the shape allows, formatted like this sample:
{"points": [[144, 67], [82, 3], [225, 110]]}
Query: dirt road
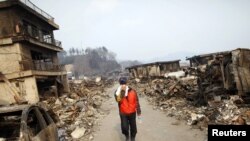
{"points": [[155, 125]]}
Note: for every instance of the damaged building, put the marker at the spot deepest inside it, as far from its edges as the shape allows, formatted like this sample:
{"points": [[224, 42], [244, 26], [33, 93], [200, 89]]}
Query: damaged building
{"points": [[230, 70], [156, 69], [28, 53], [203, 59]]}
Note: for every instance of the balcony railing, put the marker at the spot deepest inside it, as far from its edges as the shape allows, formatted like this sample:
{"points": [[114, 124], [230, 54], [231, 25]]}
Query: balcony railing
{"points": [[41, 66], [37, 9], [37, 34]]}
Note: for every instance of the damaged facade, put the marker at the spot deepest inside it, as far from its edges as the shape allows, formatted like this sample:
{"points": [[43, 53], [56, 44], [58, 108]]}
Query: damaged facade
{"points": [[230, 70], [156, 69], [28, 52]]}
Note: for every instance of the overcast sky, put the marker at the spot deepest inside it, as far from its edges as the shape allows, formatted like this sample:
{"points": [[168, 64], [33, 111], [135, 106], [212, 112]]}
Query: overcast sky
{"points": [[146, 29]]}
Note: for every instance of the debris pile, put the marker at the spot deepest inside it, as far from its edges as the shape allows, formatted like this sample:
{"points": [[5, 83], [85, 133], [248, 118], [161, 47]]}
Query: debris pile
{"points": [[179, 97], [161, 89], [77, 112]]}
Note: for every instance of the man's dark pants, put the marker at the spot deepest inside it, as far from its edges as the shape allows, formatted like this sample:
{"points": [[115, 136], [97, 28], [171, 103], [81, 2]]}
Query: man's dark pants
{"points": [[128, 122]]}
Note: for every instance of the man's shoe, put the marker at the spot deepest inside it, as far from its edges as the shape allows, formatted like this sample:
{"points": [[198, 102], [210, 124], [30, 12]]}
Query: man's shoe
{"points": [[127, 138]]}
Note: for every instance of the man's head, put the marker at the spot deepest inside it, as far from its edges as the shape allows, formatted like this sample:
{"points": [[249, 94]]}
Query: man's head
{"points": [[123, 81]]}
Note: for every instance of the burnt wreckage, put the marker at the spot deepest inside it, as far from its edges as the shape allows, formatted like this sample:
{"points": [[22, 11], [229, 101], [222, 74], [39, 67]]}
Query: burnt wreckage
{"points": [[26, 122], [223, 72]]}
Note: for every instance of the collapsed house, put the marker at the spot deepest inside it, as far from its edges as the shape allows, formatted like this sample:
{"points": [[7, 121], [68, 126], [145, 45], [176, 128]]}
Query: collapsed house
{"points": [[28, 53], [230, 70], [156, 69], [204, 59]]}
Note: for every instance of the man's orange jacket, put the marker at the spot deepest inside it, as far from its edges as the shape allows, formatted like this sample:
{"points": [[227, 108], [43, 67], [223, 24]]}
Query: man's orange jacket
{"points": [[130, 104]]}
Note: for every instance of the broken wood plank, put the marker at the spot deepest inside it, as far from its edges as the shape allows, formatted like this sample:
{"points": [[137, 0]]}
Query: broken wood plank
{"points": [[172, 87]]}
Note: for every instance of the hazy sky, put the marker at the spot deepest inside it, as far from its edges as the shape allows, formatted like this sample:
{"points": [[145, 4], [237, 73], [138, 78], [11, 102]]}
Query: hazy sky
{"points": [[146, 29]]}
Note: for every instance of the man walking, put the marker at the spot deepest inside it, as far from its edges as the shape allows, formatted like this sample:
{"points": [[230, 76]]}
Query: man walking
{"points": [[128, 103]]}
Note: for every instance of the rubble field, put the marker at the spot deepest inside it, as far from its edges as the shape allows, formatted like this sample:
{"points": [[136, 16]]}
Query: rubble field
{"points": [[213, 90], [180, 98], [77, 112]]}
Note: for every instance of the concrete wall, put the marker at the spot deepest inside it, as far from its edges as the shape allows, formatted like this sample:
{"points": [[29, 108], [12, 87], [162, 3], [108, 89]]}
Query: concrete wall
{"points": [[10, 55], [6, 96], [32, 95], [27, 89]]}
